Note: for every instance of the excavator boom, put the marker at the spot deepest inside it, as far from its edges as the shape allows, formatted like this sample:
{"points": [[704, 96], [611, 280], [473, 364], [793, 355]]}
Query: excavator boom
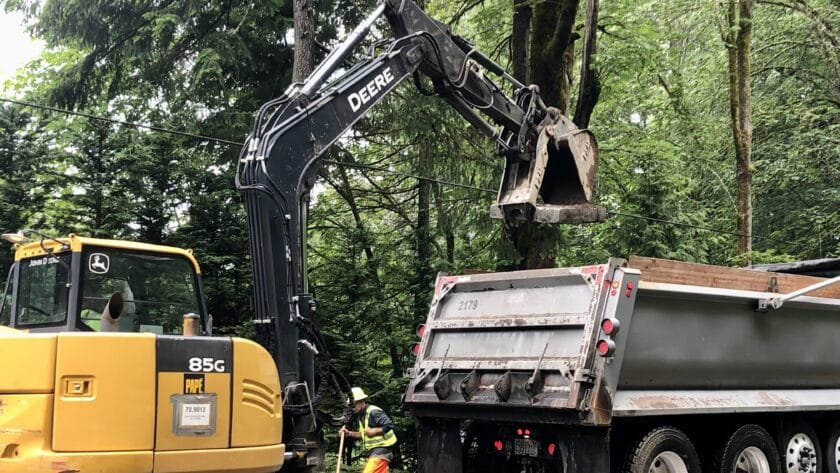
{"points": [[549, 174]]}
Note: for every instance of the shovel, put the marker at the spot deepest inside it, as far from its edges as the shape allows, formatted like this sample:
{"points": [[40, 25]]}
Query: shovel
{"points": [[340, 450]]}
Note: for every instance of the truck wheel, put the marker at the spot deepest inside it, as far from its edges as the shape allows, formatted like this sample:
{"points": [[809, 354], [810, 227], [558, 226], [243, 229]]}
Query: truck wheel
{"points": [[750, 449], [832, 450], [662, 450], [800, 449]]}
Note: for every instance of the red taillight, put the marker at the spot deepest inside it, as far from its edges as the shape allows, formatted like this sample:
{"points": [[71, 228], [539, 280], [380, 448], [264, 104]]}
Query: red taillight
{"points": [[519, 432], [415, 349], [499, 445], [551, 448], [527, 431], [421, 330], [610, 326], [605, 347]]}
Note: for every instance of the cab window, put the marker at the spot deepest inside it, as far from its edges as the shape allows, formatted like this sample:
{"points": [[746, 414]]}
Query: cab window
{"points": [[43, 290], [156, 290], [6, 302]]}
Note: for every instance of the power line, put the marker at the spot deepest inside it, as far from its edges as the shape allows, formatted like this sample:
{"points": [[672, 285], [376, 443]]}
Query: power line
{"points": [[118, 122], [228, 142], [372, 168], [415, 176]]}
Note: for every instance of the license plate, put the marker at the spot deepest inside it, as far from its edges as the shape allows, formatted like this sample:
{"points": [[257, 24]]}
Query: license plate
{"points": [[525, 447]]}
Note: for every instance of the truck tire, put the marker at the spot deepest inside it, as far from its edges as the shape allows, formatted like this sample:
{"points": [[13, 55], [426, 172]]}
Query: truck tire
{"points": [[750, 449], [800, 448], [832, 450], [662, 450]]}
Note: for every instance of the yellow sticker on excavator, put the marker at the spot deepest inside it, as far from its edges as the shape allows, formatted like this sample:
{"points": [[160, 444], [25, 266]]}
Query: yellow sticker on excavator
{"points": [[194, 383]]}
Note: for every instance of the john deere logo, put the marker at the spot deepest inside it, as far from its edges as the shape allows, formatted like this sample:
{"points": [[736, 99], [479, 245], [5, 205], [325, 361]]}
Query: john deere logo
{"points": [[99, 263]]}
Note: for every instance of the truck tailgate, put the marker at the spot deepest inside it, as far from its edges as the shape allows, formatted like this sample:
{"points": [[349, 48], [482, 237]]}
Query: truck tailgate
{"points": [[517, 340]]}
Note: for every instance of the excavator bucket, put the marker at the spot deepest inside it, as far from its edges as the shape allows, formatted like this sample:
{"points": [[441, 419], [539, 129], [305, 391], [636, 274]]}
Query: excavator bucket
{"points": [[555, 184]]}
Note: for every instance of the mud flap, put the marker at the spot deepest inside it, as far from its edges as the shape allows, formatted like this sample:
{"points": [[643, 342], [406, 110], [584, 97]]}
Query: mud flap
{"points": [[555, 184], [438, 446], [586, 451]]}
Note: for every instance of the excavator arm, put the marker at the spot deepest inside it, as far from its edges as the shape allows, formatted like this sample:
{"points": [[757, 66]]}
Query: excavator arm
{"points": [[549, 167]]}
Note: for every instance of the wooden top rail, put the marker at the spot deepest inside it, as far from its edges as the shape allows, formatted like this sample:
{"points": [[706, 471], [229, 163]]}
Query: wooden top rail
{"points": [[707, 275]]}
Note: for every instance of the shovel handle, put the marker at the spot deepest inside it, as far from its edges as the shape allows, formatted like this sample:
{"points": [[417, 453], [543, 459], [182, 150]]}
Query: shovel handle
{"points": [[340, 449]]}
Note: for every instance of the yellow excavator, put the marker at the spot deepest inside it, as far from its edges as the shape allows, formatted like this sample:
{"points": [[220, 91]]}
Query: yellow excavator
{"points": [[108, 363], [106, 366]]}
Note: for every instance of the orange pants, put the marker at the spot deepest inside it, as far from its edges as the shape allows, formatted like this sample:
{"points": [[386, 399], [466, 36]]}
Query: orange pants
{"points": [[376, 465]]}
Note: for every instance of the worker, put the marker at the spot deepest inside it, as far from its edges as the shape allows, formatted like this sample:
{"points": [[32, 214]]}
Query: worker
{"points": [[376, 431]]}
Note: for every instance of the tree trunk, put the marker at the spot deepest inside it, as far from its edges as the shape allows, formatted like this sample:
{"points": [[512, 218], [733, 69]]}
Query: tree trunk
{"points": [[304, 16], [444, 223], [519, 40], [738, 36], [423, 279], [590, 82], [550, 65], [552, 50], [536, 243]]}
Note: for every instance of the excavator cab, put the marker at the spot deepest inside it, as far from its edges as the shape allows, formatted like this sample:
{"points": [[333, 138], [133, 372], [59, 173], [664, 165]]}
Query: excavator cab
{"points": [[104, 369], [95, 285]]}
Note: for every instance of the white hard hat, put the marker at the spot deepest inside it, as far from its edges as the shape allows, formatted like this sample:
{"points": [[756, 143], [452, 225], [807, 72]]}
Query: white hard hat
{"points": [[358, 394]]}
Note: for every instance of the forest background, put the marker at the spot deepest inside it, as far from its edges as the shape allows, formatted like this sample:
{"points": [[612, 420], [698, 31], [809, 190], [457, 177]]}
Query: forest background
{"points": [[406, 194]]}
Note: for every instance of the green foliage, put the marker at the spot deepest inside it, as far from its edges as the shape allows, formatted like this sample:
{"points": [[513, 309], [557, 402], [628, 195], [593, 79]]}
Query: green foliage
{"points": [[198, 67], [19, 169], [378, 235], [797, 92]]}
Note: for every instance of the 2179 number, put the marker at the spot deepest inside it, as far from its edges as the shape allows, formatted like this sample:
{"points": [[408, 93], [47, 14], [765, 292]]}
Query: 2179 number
{"points": [[469, 304]]}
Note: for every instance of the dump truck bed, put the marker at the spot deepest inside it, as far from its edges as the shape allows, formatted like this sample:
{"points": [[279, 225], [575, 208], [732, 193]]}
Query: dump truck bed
{"points": [[524, 345]]}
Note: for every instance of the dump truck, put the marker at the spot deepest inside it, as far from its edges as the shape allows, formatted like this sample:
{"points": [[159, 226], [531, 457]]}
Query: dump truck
{"points": [[639, 365]]}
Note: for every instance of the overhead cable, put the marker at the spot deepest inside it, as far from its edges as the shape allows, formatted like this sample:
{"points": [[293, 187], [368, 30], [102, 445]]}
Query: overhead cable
{"points": [[377, 169]]}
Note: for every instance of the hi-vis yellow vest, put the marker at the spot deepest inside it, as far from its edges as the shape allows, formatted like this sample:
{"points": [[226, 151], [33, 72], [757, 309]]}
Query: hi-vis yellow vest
{"points": [[385, 440]]}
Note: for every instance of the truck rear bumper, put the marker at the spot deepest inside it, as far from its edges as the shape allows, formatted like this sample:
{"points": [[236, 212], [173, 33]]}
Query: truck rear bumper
{"points": [[262, 459]]}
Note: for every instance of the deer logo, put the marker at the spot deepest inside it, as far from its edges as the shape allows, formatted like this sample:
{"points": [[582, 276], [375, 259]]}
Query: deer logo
{"points": [[99, 263]]}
